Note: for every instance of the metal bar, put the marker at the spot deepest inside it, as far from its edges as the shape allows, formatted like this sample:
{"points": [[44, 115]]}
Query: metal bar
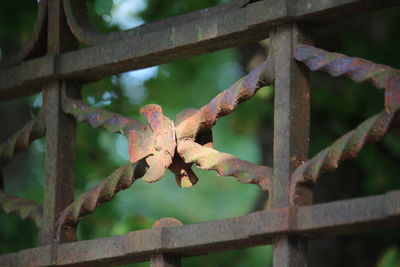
{"points": [[346, 147], [258, 228], [287, 226], [349, 216], [59, 172], [149, 46], [100, 118], [191, 124], [357, 69], [225, 164], [36, 45], [85, 204], [23, 208], [20, 141], [60, 132], [291, 133], [164, 259], [79, 21], [290, 250]]}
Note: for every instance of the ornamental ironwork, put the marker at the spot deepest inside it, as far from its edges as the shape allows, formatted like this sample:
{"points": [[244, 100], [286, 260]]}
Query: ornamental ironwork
{"points": [[51, 62]]}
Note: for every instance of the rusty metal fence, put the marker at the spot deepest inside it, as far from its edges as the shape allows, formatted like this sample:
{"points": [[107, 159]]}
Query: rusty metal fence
{"points": [[52, 63]]}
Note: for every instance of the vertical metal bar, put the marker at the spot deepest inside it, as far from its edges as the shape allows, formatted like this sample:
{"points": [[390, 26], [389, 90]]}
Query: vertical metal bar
{"points": [[165, 259], [60, 133], [291, 133]]}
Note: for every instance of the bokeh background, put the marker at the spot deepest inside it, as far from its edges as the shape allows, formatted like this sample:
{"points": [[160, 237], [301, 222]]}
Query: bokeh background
{"points": [[338, 105]]}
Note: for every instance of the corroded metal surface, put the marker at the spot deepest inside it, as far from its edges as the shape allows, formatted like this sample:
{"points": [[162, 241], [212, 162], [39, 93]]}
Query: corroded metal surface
{"points": [[19, 141], [346, 147], [166, 259], [191, 122], [159, 146], [257, 228], [225, 164], [25, 209], [371, 130], [164, 144], [291, 132], [157, 142], [59, 173], [99, 118], [79, 21], [357, 69], [36, 45], [120, 179], [176, 38], [167, 222]]}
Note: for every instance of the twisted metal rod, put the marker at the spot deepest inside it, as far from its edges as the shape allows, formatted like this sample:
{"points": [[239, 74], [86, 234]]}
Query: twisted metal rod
{"points": [[152, 147], [120, 179], [25, 209], [357, 69], [32, 130], [346, 147], [225, 165], [99, 118], [190, 122]]}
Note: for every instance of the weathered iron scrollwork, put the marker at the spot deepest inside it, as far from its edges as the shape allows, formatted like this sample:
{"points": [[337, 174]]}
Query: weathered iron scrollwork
{"points": [[32, 130], [36, 45], [25, 209], [162, 145], [371, 130]]}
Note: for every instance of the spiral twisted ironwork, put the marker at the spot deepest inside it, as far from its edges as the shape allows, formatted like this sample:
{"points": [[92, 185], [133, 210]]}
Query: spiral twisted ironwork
{"points": [[357, 69], [348, 146], [225, 165], [25, 209], [190, 122], [153, 147], [100, 118], [32, 130], [120, 179]]}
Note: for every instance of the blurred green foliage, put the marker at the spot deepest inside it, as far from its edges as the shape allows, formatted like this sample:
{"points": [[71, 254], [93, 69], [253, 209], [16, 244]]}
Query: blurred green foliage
{"points": [[338, 105], [103, 7], [391, 257], [15, 30]]}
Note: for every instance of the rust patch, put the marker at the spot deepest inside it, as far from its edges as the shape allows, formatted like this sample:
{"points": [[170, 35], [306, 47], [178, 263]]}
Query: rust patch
{"points": [[159, 146], [347, 146], [25, 209], [20, 141], [357, 69]]}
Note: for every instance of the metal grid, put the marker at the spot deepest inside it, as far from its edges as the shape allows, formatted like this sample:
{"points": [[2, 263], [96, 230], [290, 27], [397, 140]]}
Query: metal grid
{"points": [[52, 63]]}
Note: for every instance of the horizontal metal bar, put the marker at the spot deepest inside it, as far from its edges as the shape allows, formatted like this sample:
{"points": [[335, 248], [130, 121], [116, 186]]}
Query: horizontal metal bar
{"points": [[171, 40], [254, 229], [325, 11], [27, 78], [349, 216]]}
